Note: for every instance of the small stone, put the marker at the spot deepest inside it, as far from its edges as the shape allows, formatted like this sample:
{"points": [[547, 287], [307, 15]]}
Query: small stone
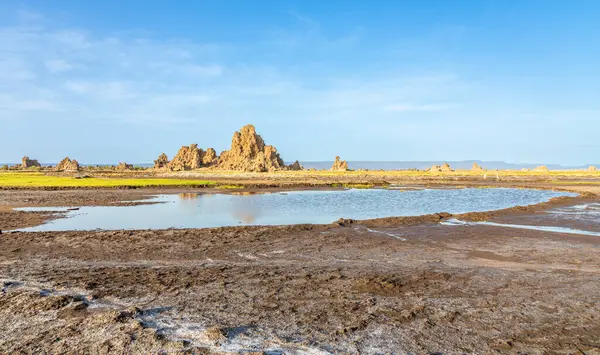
{"points": [[216, 335]]}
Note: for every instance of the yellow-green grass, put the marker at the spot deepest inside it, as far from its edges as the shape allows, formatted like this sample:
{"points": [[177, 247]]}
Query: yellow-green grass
{"points": [[489, 173], [40, 180], [574, 182]]}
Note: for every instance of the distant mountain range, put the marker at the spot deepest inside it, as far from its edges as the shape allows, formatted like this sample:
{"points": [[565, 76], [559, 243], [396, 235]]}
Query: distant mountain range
{"points": [[403, 165], [421, 165]]}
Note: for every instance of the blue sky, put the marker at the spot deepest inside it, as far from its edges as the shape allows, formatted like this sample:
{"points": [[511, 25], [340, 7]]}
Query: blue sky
{"points": [[105, 81]]}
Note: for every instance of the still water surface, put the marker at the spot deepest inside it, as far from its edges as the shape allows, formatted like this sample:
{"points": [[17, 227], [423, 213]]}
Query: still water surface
{"points": [[296, 207]]}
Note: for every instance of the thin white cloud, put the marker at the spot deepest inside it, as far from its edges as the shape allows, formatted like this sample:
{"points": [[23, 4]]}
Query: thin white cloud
{"points": [[156, 81], [28, 105], [58, 65], [29, 16], [408, 107]]}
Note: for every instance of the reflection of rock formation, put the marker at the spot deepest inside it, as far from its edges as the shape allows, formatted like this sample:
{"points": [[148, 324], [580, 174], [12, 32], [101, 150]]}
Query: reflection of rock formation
{"points": [[188, 195], [124, 166], [249, 193], [541, 168], [29, 163], [339, 165], [476, 167], [67, 165], [249, 153], [161, 162], [246, 217], [244, 210]]}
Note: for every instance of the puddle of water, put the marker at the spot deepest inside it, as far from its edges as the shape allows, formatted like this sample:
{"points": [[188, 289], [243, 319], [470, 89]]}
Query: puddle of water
{"points": [[587, 213], [297, 207], [564, 230]]}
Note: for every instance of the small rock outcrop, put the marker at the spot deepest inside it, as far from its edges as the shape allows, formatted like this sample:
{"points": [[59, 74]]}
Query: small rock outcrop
{"points": [[67, 165], [592, 169], [541, 168], [339, 165], [187, 158], [249, 153], [29, 163], [476, 167], [445, 168], [296, 166], [124, 166], [191, 157], [161, 162], [209, 157]]}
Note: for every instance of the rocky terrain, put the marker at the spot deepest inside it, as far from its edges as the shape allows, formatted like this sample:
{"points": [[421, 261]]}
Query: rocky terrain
{"points": [[296, 166], [187, 158], [444, 168], [29, 163], [477, 167], [407, 285], [249, 152], [209, 157], [124, 166], [67, 165], [339, 165], [161, 162]]}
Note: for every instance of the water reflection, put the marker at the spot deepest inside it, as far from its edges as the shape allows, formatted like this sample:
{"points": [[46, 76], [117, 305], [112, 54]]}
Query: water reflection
{"points": [[189, 195], [198, 210], [249, 193]]}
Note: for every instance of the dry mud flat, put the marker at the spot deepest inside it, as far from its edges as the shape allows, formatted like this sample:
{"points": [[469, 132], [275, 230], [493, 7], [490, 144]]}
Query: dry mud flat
{"points": [[392, 286]]}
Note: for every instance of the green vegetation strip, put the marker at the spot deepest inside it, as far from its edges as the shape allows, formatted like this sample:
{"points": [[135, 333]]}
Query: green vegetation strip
{"points": [[39, 180]]}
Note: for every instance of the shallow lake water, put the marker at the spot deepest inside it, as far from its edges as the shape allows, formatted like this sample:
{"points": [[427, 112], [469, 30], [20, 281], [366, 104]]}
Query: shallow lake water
{"points": [[200, 210]]}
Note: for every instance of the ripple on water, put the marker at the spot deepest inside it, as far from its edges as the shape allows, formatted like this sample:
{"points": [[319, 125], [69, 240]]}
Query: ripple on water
{"points": [[295, 207], [552, 229]]}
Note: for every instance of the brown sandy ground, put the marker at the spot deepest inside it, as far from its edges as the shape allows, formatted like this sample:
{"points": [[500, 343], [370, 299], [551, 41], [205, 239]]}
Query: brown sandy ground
{"points": [[301, 288], [386, 286]]}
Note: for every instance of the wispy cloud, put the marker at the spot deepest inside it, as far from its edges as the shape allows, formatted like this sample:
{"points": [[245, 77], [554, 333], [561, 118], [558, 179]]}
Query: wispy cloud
{"points": [[74, 77], [145, 79], [58, 65], [408, 107]]}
